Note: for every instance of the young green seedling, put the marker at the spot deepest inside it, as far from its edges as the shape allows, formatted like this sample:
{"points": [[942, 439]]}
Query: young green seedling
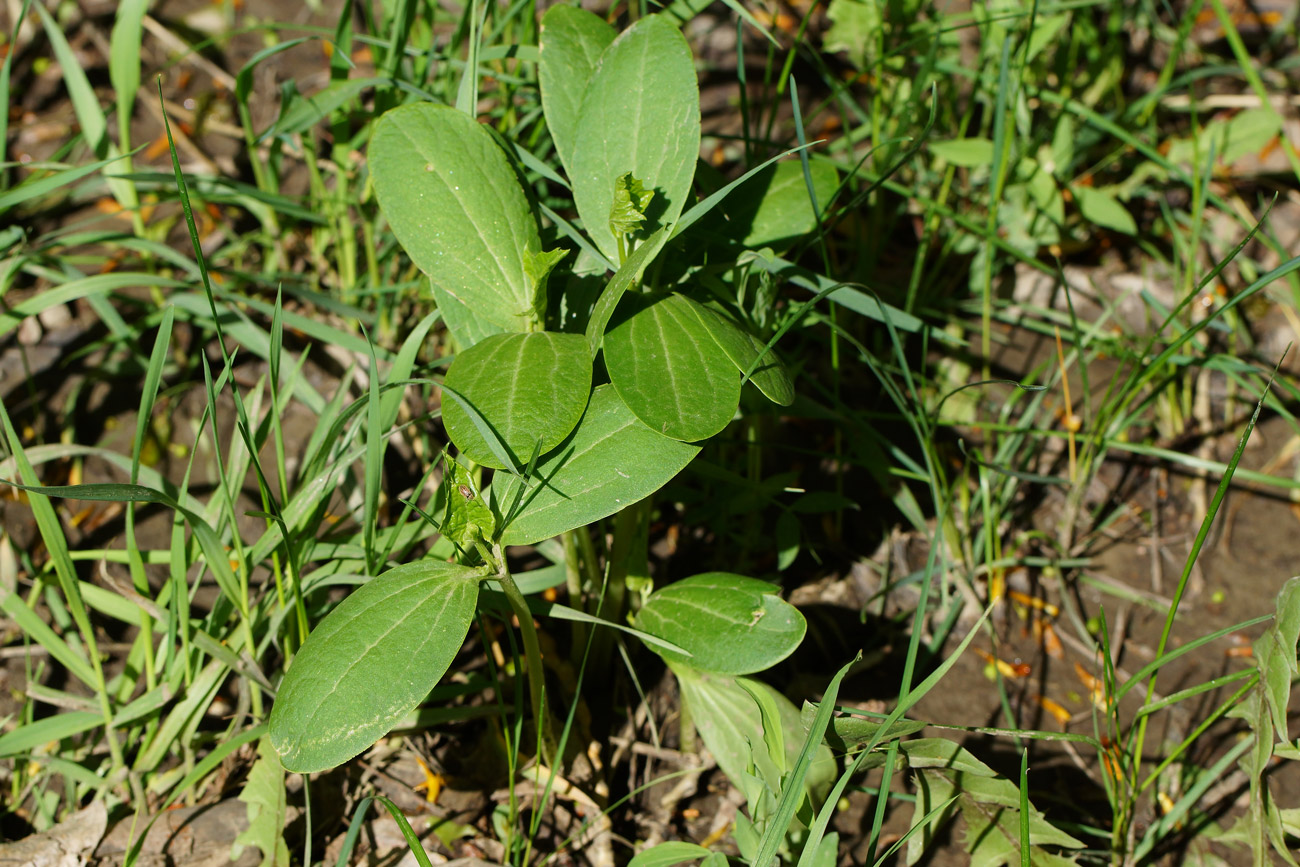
{"points": [[520, 396]]}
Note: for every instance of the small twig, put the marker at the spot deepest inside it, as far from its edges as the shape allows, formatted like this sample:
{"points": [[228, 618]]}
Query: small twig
{"points": [[1069, 420], [175, 43], [1227, 100], [640, 748], [185, 143], [1160, 479]]}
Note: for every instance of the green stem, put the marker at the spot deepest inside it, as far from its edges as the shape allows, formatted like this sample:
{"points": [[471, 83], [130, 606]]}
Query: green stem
{"points": [[590, 566], [532, 650], [686, 730], [573, 582]]}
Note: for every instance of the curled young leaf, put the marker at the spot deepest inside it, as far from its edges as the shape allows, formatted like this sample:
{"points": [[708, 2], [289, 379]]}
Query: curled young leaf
{"points": [[631, 199]]}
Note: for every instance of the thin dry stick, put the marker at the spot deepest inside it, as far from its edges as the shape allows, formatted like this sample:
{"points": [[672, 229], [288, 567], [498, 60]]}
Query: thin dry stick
{"points": [[1070, 420]]}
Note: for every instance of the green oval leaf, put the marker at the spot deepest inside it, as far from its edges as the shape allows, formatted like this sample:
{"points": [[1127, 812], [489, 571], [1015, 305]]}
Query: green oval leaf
{"points": [[526, 386], [668, 853], [1101, 207], [773, 209], [967, 152], [467, 327], [370, 662], [571, 42], [611, 460], [729, 623], [743, 348], [669, 369], [640, 114], [457, 209]]}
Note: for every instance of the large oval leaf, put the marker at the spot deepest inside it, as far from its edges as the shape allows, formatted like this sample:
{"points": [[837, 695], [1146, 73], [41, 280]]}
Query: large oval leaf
{"points": [[457, 209], [773, 209], [526, 386], [465, 326], [370, 662], [729, 623], [669, 369], [611, 460], [640, 114], [572, 40], [743, 348]]}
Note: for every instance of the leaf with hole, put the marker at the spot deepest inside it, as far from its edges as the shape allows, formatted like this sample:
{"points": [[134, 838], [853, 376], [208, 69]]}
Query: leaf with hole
{"points": [[640, 114], [669, 369], [730, 624], [456, 207], [466, 519], [610, 461], [370, 662], [528, 387], [571, 42]]}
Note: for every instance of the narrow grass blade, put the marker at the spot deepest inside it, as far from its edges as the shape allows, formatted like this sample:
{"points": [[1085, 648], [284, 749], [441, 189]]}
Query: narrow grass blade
{"points": [[792, 790], [124, 61], [1161, 661], [112, 492], [354, 832], [916, 828], [1203, 532], [467, 94], [5, 92], [1162, 826], [90, 116], [702, 207], [492, 596], [412, 839], [374, 463], [28, 737], [485, 430], [97, 284], [1025, 856], [827, 812], [56, 544], [39, 631], [42, 186]]}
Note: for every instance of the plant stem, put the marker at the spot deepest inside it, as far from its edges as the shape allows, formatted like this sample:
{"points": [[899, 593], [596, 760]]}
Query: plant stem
{"points": [[532, 651], [573, 581]]}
